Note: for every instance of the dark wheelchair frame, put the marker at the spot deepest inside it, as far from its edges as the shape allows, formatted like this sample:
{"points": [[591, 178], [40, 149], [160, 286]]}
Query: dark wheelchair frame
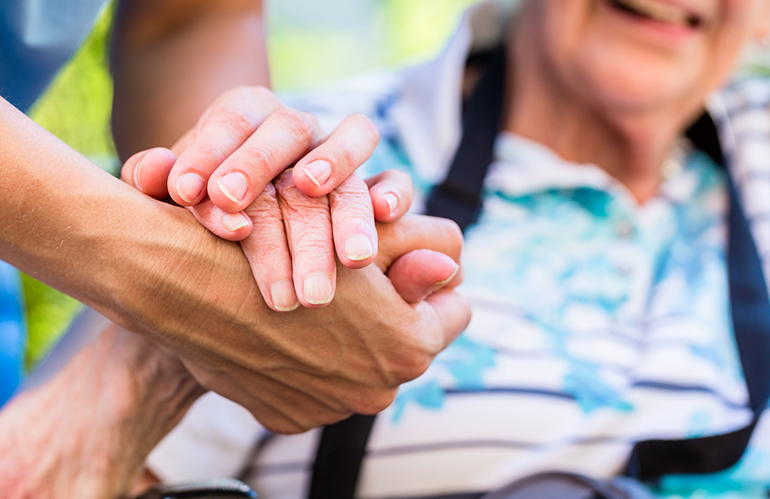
{"points": [[208, 489]]}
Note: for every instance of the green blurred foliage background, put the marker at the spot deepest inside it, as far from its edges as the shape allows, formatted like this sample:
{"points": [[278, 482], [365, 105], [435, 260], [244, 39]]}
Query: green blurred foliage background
{"points": [[310, 42]]}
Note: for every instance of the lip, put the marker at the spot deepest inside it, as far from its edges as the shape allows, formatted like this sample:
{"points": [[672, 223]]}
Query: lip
{"points": [[664, 32]]}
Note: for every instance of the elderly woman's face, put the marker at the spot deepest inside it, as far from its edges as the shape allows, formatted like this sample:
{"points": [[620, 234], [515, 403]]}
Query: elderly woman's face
{"points": [[638, 54]]}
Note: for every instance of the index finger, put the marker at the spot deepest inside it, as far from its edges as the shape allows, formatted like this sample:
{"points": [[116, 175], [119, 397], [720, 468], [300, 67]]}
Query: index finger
{"points": [[329, 164], [282, 138], [220, 133]]}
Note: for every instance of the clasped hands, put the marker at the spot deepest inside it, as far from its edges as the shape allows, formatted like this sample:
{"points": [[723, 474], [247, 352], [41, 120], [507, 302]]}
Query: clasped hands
{"points": [[232, 173], [231, 314], [257, 172]]}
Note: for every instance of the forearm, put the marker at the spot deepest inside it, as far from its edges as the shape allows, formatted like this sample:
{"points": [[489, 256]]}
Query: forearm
{"points": [[172, 58], [67, 223], [86, 433]]}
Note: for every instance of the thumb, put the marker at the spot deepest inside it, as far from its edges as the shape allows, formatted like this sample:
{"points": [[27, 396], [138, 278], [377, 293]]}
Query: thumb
{"points": [[413, 232], [420, 273], [148, 171]]}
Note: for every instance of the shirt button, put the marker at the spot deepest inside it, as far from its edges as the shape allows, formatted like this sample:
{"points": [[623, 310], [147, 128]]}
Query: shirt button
{"points": [[624, 269], [625, 228], [671, 168]]}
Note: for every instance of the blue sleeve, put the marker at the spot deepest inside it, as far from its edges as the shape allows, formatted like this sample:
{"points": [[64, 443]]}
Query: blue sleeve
{"points": [[12, 331]]}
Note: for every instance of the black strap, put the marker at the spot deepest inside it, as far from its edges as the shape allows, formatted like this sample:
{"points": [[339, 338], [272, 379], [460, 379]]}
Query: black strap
{"points": [[343, 446], [458, 198], [750, 307], [338, 459]]}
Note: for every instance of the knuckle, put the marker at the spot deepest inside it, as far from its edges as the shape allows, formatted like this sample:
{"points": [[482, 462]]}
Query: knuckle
{"points": [[289, 196], [455, 234], [356, 184], [411, 366], [345, 154], [292, 201], [259, 157], [310, 117], [284, 183], [273, 248], [295, 122], [352, 187], [262, 94], [374, 402], [210, 153], [266, 201], [312, 240], [356, 211], [239, 93], [264, 212], [237, 119]]}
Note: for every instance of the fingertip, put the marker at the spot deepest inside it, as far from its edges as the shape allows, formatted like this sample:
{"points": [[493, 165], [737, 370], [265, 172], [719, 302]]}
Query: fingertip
{"points": [[419, 273], [356, 264], [319, 172], [151, 173], [317, 290], [386, 205], [307, 185], [458, 278], [358, 251], [283, 296], [237, 226], [232, 227], [391, 192], [446, 281], [187, 188], [234, 185]]}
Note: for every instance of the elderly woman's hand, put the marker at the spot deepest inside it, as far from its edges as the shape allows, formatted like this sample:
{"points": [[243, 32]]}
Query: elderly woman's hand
{"points": [[86, 432], [225, 144]]}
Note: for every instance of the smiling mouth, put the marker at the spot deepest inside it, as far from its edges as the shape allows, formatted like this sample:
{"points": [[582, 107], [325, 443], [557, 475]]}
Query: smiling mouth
{"points": [[657, 11]]}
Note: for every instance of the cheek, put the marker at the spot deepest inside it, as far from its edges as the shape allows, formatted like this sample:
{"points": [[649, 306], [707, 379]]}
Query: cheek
{"points": [[751, 16], [599, 61], [736, 26]]}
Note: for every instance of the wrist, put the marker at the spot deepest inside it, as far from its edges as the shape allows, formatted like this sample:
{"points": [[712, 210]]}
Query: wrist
{"points": [[87, 432]]}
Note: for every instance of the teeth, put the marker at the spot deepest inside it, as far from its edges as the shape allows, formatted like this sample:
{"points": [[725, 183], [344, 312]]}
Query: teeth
{"points": [[658, 11]]}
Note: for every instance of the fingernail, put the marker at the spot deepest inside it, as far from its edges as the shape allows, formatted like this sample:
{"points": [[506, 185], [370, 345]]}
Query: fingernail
{"points": [[189, 186], [443, 283], [318, 288], [234, 221], [319, 172], [284, 297], [234, 186], [358, 247], [392, 201], [138, 173]]}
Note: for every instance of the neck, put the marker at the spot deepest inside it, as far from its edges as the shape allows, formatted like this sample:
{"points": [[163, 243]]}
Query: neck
{"points": [[631, 147]]}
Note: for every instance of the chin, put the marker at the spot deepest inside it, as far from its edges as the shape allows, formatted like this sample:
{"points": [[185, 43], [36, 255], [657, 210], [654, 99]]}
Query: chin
{"points": [[636, 82], [638, 92]]}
